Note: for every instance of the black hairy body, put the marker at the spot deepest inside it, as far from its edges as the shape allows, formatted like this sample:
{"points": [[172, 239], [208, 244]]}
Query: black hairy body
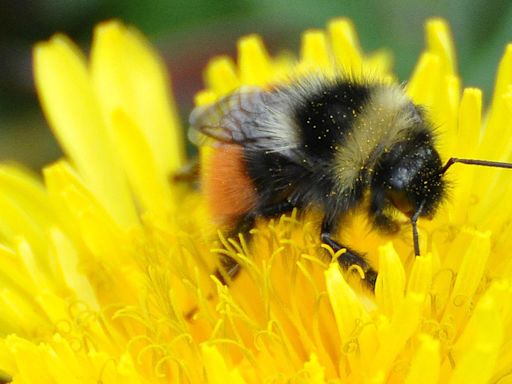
{"points": [[327, 143]]}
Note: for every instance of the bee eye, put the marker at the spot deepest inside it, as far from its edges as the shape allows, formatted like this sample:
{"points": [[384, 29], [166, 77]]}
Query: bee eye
{"points": [[401, 202]]}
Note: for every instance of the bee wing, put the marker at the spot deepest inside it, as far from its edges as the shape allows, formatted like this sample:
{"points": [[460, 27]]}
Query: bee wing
{"points": [[231, 120]]}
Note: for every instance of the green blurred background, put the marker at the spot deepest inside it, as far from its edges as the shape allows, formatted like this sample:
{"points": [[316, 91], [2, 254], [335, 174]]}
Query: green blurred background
{"points": [[188, 32]]}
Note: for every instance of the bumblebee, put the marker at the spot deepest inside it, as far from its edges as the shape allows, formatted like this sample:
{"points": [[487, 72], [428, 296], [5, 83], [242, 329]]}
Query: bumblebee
{"points": [[321, 142]]}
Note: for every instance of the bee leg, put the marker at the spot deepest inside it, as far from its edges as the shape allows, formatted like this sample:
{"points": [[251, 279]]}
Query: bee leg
{"points": [[385, 223], [276, 209], [229, 268], [189, 173], [350, 257], [382, 219]]}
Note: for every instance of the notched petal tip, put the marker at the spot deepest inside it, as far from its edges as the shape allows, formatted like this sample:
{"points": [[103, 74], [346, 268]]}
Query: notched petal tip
{"points": [[221, 75], [345, 45], [109, 26], [315, 50], [440, 41], [253, 60], [58, 44], [345, 27]]}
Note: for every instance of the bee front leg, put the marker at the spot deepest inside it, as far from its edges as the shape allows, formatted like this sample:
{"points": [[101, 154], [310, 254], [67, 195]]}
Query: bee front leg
{"points": [[349, 258], [385, 223], [380, 217]]}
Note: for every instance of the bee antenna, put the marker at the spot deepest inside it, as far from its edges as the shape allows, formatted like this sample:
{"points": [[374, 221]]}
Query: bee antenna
{"points": [[485, 163], [414, 220]]}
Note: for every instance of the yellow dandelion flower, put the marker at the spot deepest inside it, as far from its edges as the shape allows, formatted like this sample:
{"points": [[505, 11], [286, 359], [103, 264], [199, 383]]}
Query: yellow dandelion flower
{"points": [[106, 265]]}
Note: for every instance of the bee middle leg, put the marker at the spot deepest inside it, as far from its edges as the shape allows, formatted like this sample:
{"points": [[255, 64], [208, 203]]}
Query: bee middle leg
{"points": [[349, 258], [229, 267]]}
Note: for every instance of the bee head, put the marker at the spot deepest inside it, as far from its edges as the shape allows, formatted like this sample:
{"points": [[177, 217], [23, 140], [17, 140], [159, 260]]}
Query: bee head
{"points": [[408, 177]]}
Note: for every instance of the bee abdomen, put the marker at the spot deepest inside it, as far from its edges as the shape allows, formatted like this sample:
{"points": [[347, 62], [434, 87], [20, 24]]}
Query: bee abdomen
{"points": [[229, 191]]}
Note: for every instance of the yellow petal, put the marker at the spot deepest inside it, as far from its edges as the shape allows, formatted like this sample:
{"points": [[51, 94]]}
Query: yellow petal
{"points": [[468, 132], [28, 192], [128, 75], [395, 335], [420, 279], [495, 145], [348, 310], [479, 346], [69, 267], [440, 42], [64, 184], [253, 61], [390, 285], [424, 82], [221, 75], [425, 365], [447, 105], [496, 142], [35, 266], [71, 107], [315, 52], [23, 314], [29, 361], [140, 164], [13, 274], [469, 277], [17, 221], [356, 332], [380, 63], [503, 78], [345, 45], [314, 372], [217, 370], [470, 119], [93, 225]]}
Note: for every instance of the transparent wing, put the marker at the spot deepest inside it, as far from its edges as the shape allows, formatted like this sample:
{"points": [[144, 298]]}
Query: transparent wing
{"points": [[233, 119]]}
